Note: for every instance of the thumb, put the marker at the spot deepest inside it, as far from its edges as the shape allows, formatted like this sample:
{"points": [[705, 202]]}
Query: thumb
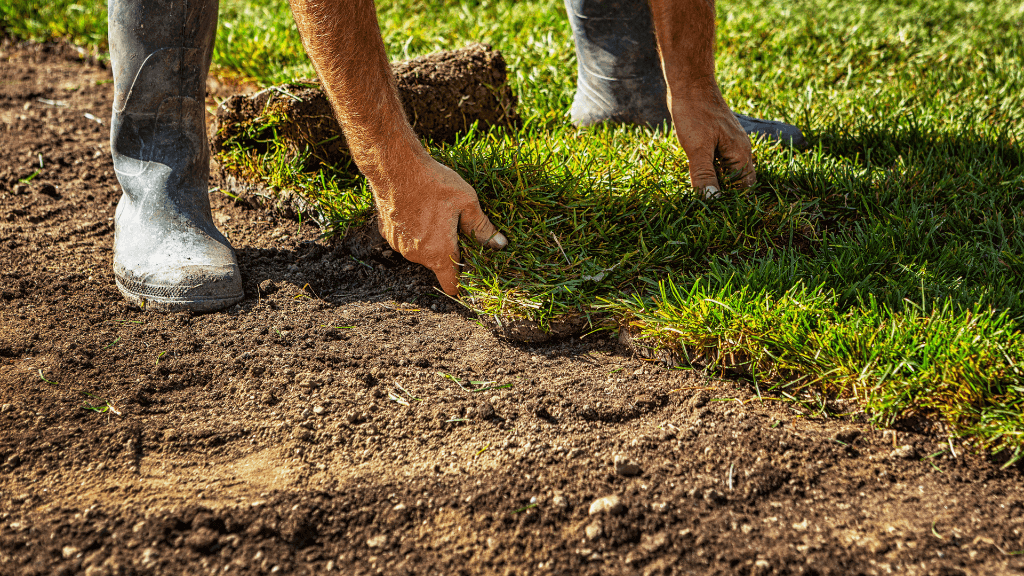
{"points": [[702, 169], [473, 222]]}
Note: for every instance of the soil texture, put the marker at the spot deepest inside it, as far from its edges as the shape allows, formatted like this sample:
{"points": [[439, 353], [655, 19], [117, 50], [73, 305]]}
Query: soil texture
{"points": [[345, 417]]}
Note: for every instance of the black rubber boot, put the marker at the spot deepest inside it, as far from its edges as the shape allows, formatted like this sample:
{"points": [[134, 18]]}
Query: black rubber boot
{"points": [[168, 254], [619, 76]]}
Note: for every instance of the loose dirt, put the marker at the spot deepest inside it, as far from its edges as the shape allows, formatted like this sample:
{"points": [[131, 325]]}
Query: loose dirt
{"points": [[345, 417]]}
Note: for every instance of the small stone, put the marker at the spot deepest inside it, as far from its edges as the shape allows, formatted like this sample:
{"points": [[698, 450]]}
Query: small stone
{"points": [[652, 544], [608, 504], [318, 410], [594, 530], [484, 411], [906, 452], [307, 381], [5, 408], [626, 467], [148, 556], [873, 545], [378, 541], [69, 552], [713, 496], [801, 526], [559, 501], [848, 436], [699, 399], [267, 287]]}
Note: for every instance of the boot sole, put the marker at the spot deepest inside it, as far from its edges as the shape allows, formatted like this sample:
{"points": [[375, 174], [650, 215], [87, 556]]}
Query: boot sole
{"points": [[159, 303]]}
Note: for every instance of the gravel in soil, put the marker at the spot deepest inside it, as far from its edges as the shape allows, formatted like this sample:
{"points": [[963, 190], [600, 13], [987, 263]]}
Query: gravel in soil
{"points": [[345, 417]]}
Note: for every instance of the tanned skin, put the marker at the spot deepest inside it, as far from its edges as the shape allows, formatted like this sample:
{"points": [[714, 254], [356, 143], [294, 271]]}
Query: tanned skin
{"points": [[704, 123], [423, 204]]}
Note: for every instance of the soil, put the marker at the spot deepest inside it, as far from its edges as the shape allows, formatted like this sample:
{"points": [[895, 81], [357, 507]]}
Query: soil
{"points": [[345, 417]]}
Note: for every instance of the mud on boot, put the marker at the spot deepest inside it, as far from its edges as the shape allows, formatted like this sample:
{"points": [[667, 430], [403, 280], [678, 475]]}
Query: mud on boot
{"points": [[168, 253]]}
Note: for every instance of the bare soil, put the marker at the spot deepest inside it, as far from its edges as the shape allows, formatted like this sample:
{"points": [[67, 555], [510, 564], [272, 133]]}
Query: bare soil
{"points": [[345, 417]]}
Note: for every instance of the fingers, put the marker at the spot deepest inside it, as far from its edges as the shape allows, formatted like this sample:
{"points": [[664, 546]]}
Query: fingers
{"points": [[473, 222], [447, 273], [738, 157]]}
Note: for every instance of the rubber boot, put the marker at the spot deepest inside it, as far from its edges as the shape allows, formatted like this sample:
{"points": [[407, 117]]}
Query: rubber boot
{"points": [[168, 254], [619, 77]]}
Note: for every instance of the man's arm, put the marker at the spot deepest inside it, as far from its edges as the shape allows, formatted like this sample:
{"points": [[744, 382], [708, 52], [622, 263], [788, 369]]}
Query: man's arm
{"points": [[703, 121], [422, 204]]}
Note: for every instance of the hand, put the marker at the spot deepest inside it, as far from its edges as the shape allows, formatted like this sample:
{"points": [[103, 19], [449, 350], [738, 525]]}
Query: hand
{"points": [[706, 128], [421, 211]]}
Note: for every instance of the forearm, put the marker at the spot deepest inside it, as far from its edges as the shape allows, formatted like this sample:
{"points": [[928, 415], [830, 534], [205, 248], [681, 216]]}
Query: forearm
{"points": [[342, 38], [686, 42]]}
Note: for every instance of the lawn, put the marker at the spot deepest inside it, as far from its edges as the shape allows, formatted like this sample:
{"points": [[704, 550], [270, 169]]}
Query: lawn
{"points": [[884, 263]]}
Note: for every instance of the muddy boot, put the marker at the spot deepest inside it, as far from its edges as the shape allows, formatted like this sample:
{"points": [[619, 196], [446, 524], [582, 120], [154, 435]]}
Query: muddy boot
{"points": [[168, 254], [619, 76]]}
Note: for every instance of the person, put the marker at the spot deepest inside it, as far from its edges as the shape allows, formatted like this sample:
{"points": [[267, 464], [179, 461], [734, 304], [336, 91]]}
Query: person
{"points": [[170, 256]]}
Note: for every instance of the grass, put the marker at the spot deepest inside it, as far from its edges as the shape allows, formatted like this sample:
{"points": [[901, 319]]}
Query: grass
{"points": [[885, 263]]}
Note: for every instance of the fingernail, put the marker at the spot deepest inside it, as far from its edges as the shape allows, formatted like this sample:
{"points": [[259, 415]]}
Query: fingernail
{"points": [[498, 241], [711, 192]]}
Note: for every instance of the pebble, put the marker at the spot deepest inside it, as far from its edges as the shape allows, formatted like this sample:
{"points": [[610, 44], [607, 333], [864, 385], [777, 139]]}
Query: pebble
{"points": [[378, 541], [714, 496], [5, 408], [611, 504], [626, 467], [484, 410], [318, 410], [560, 502], [307, 381], [699, 399], [267, 287], [905, 452], [594, 530], [873, 545], [69, 551]]}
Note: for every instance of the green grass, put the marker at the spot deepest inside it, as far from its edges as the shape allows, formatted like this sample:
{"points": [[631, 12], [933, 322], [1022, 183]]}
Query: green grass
{"points": [[885, 263]]}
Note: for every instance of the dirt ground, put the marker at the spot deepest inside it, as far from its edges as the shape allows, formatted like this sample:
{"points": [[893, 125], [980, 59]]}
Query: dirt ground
{"points": [[364, 424]]}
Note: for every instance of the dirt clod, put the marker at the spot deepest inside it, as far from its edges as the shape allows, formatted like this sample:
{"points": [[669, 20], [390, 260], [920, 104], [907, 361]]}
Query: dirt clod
{"points": [[443, 93]]}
